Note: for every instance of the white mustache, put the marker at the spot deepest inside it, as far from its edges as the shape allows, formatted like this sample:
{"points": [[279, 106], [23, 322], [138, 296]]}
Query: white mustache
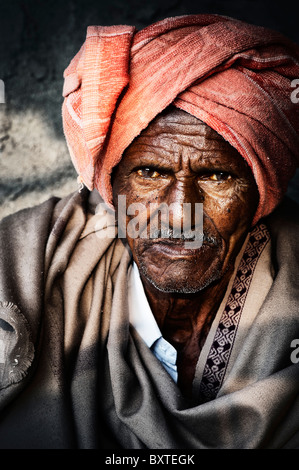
{"points": [[173, 234]]}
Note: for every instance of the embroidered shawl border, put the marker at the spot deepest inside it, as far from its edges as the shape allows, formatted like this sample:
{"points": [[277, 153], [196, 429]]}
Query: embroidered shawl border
{"points": [[220, 351]]}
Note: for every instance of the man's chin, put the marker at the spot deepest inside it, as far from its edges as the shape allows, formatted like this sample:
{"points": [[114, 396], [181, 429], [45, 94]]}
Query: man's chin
{"points": [[181, 283]]}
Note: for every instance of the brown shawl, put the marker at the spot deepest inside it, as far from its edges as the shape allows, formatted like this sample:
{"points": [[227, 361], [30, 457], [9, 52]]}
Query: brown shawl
{"points": [[74, 374]]}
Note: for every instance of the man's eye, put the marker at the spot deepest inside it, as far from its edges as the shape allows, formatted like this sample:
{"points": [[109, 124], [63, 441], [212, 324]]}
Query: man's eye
{"points": [[148, 173], [219, 176]]}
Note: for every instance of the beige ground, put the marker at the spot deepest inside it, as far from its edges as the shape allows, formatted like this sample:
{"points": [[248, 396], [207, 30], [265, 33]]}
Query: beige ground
{"points": [[34, 161]]}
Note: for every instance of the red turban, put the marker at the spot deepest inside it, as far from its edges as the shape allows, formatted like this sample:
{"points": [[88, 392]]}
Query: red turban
{"points": [[234, 76]]}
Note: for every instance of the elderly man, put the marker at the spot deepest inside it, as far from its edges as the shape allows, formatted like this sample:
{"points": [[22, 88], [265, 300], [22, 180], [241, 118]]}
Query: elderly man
{"points": [[152, 341]]}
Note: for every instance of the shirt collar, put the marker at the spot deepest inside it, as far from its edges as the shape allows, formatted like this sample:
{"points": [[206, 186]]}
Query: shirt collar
{"points": [[140, 314]]}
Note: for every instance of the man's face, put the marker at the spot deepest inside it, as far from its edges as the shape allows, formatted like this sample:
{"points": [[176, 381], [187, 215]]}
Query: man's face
{"points": [[178, 159]]}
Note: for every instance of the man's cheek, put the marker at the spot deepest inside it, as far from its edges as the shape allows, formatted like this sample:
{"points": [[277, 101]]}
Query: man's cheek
{"points": [[226, 218]]}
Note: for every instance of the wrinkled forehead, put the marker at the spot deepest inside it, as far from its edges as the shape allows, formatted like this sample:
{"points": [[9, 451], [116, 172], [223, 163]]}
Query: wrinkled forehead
{"points": [[174, 119], [175, 127]]}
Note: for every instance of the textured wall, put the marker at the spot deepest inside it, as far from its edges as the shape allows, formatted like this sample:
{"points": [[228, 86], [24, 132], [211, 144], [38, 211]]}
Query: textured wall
{"points": [[37, 40]]}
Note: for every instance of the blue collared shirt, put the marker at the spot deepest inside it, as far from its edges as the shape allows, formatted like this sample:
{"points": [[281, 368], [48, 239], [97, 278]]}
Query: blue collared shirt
{"points": [[143, 320]]}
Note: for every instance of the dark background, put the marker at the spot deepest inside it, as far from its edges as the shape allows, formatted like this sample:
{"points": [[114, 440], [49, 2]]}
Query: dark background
{"points": [[38, 38]]}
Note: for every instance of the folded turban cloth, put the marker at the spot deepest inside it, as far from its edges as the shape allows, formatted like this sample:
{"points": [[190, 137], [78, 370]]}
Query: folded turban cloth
{"points": [[234, 76]]}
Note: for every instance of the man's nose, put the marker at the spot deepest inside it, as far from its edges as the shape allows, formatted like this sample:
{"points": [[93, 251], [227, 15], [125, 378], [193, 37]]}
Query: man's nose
{"points": [[182, 198]]}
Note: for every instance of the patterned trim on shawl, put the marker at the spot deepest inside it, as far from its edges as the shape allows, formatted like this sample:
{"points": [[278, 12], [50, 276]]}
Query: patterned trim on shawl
{"points": [[222, 345]]}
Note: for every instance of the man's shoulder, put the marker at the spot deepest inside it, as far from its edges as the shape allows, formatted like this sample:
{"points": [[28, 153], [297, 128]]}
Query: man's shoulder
{"points": [[283, 225], [24, 234], [285, 218], [41, 217], [26, 229], [24, 218]]}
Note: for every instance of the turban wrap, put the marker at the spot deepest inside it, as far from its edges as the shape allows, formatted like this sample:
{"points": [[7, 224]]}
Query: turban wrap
{"points": [[234, 76]]}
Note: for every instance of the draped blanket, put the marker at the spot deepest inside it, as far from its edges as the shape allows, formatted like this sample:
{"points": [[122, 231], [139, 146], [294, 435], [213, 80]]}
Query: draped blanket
{"points": [[235, 77], [74, 374]]}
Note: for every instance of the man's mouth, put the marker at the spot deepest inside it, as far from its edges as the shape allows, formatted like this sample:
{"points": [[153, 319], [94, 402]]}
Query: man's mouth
{"points": [[187, 244]]}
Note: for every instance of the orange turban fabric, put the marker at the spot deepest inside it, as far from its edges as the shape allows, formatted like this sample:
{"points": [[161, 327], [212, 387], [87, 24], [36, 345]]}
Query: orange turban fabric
{"points": [[234, 76]]}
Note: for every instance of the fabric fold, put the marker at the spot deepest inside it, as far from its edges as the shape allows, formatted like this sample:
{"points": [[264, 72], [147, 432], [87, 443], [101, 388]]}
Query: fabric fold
{"points": [[94, 81]]}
